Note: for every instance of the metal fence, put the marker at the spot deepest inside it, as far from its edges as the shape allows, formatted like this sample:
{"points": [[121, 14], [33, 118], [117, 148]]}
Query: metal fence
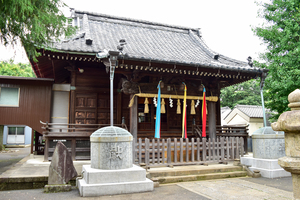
{"points": [[164, 152]]}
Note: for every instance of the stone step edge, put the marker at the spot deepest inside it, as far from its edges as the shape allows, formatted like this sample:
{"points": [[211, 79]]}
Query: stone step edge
{"points": [[23, 183], [174, 179], [194, 172]]}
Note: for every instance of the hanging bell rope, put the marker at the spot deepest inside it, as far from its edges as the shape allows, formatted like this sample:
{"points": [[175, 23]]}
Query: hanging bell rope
{"points": [[162, 108], [193, 111], [178, 107], [146, 109]]}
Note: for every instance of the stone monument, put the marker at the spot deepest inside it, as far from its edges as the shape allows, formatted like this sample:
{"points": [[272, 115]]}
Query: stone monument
{"points": [[268, 146], [112, 171], [61, 170], [289, 122]]}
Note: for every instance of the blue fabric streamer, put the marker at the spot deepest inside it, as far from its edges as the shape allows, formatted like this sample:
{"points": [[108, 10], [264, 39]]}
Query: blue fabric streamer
{"points": [[157, 121]]}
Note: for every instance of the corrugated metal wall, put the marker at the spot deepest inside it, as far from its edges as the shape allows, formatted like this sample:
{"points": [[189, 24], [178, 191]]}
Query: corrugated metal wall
{"points": [[34, 102]]}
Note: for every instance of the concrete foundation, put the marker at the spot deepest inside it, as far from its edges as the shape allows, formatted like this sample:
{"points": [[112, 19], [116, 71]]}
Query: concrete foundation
{"points": [[98, 182], [269, 168]]}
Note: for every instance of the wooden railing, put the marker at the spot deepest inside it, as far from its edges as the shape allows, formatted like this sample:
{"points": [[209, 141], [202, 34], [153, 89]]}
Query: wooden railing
{"points": [[225, 131], [76, 138], [234, 131], [166, 152]]}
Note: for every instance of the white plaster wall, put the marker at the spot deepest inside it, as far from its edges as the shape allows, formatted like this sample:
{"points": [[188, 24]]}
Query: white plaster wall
{"points": [[60, 103], [255, 124], [237, 119]]}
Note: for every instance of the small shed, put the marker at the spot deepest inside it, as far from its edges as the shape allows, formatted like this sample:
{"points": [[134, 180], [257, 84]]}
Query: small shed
{"points": [[247, 115], [24, 102]]}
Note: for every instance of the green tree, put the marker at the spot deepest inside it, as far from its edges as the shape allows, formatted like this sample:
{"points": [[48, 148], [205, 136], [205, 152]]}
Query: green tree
{"points": [[11, 69], [281, 34], [246, 93], [35, 22]]}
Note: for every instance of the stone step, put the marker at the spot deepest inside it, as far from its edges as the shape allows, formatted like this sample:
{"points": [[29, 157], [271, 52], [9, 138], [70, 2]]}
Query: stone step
{"points": [[192, 170], [199, 177]]}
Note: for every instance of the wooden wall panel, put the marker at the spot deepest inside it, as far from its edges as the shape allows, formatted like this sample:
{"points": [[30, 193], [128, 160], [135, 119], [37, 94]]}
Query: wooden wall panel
{"points": [[86, 108], [34, 103], [92, 102]]}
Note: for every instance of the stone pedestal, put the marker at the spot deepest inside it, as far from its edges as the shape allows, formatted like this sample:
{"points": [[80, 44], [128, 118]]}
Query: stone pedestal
{"points": [[111, 171], [268, 146], [97, 182], [289, 122], [268, 168]]}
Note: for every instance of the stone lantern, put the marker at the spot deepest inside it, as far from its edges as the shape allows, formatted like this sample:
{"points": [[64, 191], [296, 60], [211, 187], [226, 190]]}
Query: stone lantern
{"points": [[289, 122]]}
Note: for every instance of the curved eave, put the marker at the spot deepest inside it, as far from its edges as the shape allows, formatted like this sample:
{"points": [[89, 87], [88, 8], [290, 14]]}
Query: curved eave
{"points": [[191, 64]]}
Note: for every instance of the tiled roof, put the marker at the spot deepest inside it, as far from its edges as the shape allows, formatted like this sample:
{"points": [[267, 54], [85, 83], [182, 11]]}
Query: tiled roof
{"points": [[251, 111], [224, 112], [145, 41]]}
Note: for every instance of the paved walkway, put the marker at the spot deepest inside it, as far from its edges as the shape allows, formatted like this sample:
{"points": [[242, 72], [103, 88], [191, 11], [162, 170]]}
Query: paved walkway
{"points": [[234, 188], [11, 156]]}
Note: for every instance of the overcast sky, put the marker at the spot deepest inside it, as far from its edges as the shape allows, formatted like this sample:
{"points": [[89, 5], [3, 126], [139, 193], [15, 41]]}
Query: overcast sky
{"points": [[225, 25]]}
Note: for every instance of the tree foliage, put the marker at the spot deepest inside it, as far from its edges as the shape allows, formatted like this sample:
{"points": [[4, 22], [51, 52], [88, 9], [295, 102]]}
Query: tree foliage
{"points": [[246, 93], [11, 69], [35, 22], [281, 34]]}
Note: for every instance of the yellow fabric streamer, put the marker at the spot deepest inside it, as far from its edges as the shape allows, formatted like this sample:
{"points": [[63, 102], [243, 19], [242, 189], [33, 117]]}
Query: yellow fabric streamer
{"points": [[162, 108], [146, 109], [178, 107], [184, 112], [210, 98], [193, 111]]}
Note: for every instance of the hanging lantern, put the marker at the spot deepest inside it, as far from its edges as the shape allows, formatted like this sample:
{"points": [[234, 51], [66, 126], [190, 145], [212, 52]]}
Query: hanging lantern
{"points": [[201, 88], [181, 87], [178, 107], [146, 109], [163, 108], [162, 84]]}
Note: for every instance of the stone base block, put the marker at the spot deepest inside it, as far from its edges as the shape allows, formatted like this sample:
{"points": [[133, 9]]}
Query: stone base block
{"points": [[95, 176], [268, 173], [57, 188], [96, 182], [93, 190], [269, 168]]}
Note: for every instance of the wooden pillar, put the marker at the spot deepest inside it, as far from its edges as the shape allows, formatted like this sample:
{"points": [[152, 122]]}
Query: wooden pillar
{"points": [[73, 148], [134, 118], [211, 107], [134, 124], [72, 98], [1, 137], [218, 107], [218, 104], [119, 107], [32, 138], [46, 150], [36, 142]]}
